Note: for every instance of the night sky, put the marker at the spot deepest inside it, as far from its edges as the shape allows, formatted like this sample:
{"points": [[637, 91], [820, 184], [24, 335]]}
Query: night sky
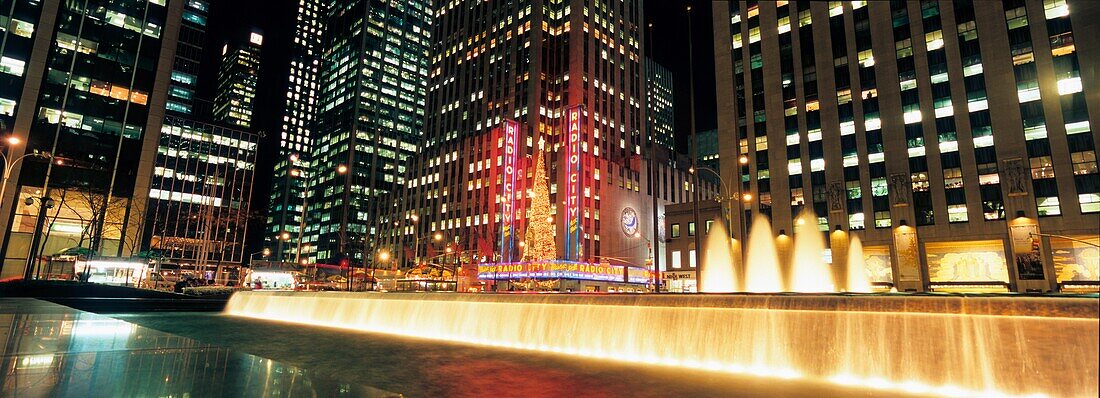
{"points": [[232, 19]]}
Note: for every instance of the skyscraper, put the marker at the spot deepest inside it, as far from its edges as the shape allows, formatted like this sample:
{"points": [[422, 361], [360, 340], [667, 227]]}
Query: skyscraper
{"points": [[84, 81], [373, 78], [200, 195], [662, 115], [292, 168], [238, 77], [962, 127], [509, 78], [189, 52]]}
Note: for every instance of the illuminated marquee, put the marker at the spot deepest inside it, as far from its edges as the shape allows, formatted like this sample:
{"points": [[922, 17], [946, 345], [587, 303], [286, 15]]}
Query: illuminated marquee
{"points": [[573, 184], [508, 191], [560, 270]]}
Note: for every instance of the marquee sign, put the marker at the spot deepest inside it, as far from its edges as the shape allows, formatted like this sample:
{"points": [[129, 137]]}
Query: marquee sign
{"points": [[508, 191], [573, 184], [560, 270]]}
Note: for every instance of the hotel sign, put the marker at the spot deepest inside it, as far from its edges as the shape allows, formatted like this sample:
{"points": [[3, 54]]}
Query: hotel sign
{"points": [[508, 191], [559, 270], [573, 184]]}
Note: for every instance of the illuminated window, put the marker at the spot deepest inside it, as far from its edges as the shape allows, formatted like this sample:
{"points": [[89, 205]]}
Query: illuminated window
{"points": [[882, 219], [1090, 202], [1048, 206], [957, 213], [1041, 167]]}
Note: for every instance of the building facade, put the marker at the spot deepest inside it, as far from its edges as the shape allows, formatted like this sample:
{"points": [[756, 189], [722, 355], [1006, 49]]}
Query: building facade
{"points": [[183, 87], [963, 131], [238, 78], [199, 198], [659, 98], [564, 81], [708, 149], [86, 82], [373, 78], [292, 167]]}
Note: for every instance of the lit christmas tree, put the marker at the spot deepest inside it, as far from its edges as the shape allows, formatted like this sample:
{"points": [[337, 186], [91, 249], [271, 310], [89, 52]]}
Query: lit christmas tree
{"points": [[539, 239]]}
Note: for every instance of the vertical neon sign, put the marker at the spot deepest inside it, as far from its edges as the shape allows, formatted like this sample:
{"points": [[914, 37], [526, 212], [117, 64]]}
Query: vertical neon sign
{"points": [[508, 191], [573, 184]]}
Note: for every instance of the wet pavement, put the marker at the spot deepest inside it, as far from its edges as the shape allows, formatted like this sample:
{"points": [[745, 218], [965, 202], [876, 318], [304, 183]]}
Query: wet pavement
{"points": [[51, 350]]}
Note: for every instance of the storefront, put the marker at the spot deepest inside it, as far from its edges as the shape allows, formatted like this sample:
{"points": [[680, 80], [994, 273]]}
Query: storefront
{"points": [[114, 272], [678, 282]]}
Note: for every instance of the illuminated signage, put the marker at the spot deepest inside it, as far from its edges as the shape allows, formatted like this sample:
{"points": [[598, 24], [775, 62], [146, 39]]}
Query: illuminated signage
{"points": [[573, 184], [560, 270], [508, 190]]}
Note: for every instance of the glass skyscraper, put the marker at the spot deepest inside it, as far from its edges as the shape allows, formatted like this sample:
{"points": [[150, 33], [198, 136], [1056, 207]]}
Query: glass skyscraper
{"points": [[661, 115], [238, 78], [373, 78], [81, 80], [292, 167]]}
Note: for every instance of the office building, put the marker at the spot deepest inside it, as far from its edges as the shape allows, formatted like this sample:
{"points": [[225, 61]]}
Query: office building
{"points": [[708, 149], [86, 82], [199, 197], [292, 167], [238, 77], [373, 78], [502, 95], [953, 138], [183, 87], [662, 115]]}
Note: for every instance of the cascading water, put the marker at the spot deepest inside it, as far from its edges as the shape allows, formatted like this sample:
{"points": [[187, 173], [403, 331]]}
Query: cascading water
{"points": [[717, 273], [857, 268], [762, 260], [949, 345], [809, 274]]}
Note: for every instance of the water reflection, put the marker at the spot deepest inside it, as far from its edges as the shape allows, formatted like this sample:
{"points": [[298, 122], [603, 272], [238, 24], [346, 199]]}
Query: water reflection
{"points": [[51, 350]]}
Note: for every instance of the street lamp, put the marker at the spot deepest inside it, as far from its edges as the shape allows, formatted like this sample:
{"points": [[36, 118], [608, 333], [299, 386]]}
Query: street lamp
{"points": [[10, 163]]}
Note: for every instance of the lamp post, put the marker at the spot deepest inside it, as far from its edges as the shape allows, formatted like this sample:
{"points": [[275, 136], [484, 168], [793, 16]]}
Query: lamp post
{"points": [[10, 163], [725, 198], [252, 257], [653, 255]]}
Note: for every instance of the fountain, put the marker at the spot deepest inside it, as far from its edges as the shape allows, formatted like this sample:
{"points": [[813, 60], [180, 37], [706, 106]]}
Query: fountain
{"points": [[762, 260], [718, 274], [941, 345], [809, 274], [857, 269]]}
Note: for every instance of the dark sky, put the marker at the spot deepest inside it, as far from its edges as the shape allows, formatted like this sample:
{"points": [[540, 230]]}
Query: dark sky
{"points": [[669, 47], [232, 19]]}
